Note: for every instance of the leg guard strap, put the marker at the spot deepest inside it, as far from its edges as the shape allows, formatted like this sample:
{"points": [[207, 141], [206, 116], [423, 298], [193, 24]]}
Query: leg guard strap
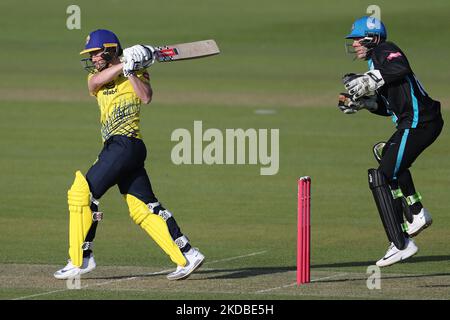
{"points": [[87, 245], [417, 197], [398, 194], [156, 208], [182, 242]]}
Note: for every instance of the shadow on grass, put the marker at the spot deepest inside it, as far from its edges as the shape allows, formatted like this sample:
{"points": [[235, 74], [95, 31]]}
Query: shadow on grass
{"points": [[368, 263], [259, 271], [388, 277], [231, 273]]}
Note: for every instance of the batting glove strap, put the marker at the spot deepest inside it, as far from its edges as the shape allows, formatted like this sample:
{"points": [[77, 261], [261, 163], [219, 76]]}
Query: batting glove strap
{"points": [[374, 79], [128, 72], [150, 56]]}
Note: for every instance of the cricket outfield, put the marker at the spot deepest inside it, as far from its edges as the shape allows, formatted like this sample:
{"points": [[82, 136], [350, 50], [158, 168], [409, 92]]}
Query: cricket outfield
{"points": [[279, 68]]}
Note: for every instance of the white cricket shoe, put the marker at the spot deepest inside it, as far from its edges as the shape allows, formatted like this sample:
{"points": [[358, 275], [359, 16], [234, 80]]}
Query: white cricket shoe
{"points": [[194, 260], [71, 271], [421, 221], [394, 255]]}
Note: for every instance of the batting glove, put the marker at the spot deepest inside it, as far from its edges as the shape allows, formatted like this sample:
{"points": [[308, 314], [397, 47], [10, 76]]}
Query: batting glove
{"points": [[138, 52], [151, 56], [359, 85], [128, 63], [148, 54], [142, 57]]}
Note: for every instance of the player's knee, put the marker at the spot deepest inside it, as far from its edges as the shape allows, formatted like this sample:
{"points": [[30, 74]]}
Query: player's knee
{"points": [[379, 150], [79, 194], [96, 187], [388, 174], [378, 178], [138, 209]]}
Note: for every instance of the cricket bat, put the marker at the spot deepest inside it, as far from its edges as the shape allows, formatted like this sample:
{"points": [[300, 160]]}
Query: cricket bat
{"points": [[184, 51]]}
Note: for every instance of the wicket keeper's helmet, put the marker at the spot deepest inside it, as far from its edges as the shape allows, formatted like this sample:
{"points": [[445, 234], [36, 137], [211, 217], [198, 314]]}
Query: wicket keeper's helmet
{"points": [[367, 27], [102, 39]]}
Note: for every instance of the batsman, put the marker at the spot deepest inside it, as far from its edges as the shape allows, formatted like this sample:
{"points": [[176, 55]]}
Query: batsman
{"points": [[390, 88], [119, 80]]}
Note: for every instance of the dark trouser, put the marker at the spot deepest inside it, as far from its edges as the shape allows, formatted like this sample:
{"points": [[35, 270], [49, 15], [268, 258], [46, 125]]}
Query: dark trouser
{"points": [[398, 155], [402, 150], [121, 162]]}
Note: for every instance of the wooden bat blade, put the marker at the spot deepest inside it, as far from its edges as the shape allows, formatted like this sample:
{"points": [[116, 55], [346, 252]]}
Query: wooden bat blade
{"points": [[184, 51]]}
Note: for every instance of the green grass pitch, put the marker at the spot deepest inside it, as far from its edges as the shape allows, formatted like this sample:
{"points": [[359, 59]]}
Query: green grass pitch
{"points": [[283, 57]]}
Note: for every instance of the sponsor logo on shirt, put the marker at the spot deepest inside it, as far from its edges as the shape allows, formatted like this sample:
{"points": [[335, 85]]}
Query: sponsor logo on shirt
{"points": [[393, 55], [110, 88]]}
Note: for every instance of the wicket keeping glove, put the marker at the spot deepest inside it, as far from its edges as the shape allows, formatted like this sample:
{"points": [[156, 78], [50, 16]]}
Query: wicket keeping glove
{"points": [[349, 106], [359, 85], [346, 104]]}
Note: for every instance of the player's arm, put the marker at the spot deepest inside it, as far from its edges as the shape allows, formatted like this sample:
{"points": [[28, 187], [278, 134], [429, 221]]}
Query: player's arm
{"points": [[98, 80], [381, 108], [348, 105], [392, 64], [142, 87]]}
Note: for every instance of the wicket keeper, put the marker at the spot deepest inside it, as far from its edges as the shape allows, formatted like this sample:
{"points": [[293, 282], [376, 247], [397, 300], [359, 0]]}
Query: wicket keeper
{"points": [[120, 89], [390, 88]]}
